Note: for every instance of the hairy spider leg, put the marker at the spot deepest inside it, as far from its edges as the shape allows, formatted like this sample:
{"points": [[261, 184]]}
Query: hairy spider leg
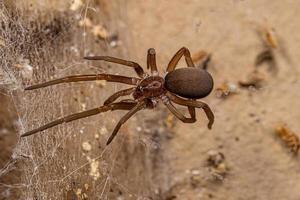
{"points": [[179, 115], [87, 113], [193, 103], [151, 61], [88, 77], [118, 94], [138, 107], [138, 69], [174, 61]]}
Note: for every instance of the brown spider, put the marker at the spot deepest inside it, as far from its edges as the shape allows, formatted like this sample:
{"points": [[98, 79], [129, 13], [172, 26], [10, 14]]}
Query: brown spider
{"points": [[190, 83]]}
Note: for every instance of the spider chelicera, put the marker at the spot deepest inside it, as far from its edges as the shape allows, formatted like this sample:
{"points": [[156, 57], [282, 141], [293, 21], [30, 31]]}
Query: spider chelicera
{"points": [[181, 86]]}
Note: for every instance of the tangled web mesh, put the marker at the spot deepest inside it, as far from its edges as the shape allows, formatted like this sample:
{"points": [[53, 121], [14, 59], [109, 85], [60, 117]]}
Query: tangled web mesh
{"points": [[71, 161]]}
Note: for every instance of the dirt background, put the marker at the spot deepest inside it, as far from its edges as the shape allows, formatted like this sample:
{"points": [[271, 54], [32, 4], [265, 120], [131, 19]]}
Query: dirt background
{"points": [[154, 156]]}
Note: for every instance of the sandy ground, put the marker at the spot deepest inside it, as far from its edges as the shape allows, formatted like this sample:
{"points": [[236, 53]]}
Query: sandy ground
{"points": [[155, 155], [259, 167]]}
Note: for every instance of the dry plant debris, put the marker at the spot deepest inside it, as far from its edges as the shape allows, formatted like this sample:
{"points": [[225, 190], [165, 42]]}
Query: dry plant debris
{"points": [[269, 36], [217, 165], [77, 194], [100, 32], [94, 168], [76, 4], [25, 68], [170, 121], [255, 80], [201, 57], [265, 56], [226, 89], [81, 195], [86, 146], [270, 44], [288, 137], [86, 22], [94, 163], [196, 178]]}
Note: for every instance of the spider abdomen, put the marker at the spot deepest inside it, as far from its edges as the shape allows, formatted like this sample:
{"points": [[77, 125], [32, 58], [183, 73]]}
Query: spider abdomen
{"points": [[189, 82]]}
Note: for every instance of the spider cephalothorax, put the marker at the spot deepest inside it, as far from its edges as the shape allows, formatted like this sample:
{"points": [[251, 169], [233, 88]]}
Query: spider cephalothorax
{"points": [[181, 86], [150, 87]]}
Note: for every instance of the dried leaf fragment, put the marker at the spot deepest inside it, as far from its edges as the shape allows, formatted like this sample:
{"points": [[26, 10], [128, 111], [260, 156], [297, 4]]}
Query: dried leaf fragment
{"points": [[288, 137], [100, 31], [255, 80], [217, 165], [86, 22], [270, 37], [25, 68], [226, 89]]}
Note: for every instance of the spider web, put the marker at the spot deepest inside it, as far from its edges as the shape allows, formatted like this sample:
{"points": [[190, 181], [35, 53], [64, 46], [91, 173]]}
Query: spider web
{"points": [[71, 161]]}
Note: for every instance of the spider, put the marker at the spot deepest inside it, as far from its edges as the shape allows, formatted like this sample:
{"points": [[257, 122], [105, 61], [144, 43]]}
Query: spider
{"points": [[181, 86]]}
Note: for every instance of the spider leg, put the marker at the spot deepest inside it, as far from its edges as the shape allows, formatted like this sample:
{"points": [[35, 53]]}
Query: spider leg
{"points": [[118, 94], [192, 111], [87, 113], [193, 103], [138, 69], [181, 52], [151, 61], [88, 77], [179, 115], [135, 109], [128, 100]]}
